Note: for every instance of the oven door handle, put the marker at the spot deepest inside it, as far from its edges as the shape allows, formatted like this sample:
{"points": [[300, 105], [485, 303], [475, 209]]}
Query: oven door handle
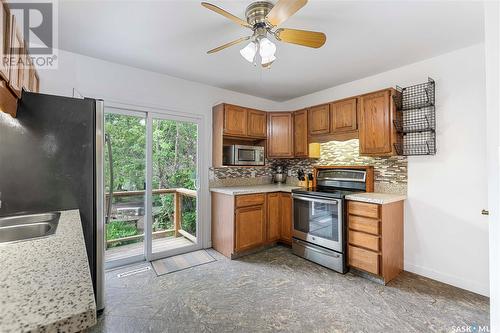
{"points": [[316, 249], [315, 199]]}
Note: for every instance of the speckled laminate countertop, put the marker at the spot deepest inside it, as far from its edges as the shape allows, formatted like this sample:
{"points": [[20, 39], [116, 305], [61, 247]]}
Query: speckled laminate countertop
{"points": [[377, 198], [45, 284], [267, 188]]}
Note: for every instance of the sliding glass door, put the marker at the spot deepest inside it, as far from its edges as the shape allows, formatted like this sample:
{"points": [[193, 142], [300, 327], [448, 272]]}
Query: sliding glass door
{"points": [[154, 209], [125, 184], [174, 165]]}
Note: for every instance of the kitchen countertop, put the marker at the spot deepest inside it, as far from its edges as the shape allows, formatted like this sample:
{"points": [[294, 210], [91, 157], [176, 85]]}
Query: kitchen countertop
{"points": [[45, 284], [376, 198], [250, 189]]}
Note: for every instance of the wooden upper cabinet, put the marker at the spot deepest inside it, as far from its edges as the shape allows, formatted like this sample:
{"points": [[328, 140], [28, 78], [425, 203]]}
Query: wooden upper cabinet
{"points": [[4, 39], [319, 119], [301, 144], [27, 72], [344, 117], [273, 217], [235, 120], [250, 227], [376, 129], [257, 123], [16, 71], [280, 134], [34, 81]]}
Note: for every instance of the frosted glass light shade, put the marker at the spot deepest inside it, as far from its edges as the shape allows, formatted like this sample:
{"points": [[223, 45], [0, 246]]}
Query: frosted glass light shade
{"points": [[249, 52], [314, 150], [267, 51]]}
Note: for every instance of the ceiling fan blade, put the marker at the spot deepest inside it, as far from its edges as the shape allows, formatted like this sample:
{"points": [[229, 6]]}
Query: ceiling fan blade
{"points": [[301, 37], [234, 42], [283, 10], [222, 12]]}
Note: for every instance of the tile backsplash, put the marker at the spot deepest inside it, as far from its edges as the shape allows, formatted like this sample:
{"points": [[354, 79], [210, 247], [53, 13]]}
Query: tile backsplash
{"points": [[391, 173]]}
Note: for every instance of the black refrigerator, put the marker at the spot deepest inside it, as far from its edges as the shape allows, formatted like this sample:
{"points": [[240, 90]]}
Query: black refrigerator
{"points": [[51, 159]]}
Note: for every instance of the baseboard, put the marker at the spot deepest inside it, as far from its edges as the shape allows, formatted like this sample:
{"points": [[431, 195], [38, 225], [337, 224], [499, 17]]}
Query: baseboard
{"points": [[448, 279]]}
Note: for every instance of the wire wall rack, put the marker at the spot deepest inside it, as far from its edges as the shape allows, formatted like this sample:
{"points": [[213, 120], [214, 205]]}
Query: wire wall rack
{"points": [[416, 119]]}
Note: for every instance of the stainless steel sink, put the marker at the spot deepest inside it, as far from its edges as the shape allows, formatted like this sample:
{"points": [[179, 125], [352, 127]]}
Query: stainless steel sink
{"points": [[26, 227]]}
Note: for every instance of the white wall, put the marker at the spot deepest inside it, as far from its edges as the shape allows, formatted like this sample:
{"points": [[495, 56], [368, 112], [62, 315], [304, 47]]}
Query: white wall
{"points": [[446, 237], [492, 45]]}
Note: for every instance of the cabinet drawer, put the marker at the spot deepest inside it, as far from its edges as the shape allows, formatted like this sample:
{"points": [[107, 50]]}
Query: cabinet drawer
{"points": [[364, 240], [364, 224], [363, 259], [363, 209], [249, 200]]}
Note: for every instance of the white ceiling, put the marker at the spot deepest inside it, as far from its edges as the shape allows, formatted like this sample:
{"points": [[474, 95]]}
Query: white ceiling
{"points": [[364, 38]]}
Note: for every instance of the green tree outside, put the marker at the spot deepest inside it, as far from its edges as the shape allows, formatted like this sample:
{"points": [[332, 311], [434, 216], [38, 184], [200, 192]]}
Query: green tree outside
{"points": [[174, 166]]}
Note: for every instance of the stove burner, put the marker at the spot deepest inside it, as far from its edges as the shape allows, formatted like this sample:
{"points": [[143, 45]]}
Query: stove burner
{"points": [[327, 192]]}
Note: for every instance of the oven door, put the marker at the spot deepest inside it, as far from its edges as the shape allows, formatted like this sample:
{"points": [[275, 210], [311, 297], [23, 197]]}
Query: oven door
{"points": [[318, 221]]}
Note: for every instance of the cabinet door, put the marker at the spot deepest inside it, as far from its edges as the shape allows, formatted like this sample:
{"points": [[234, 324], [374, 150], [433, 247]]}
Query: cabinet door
{"points": [[319, 120], [27, 72], [4, 39], [257, 124], [286, 217], [34, 81], [301, 145], [280, 135], [235, 120], [344, 116], [250, 225], [16, 71], [375, 124], [273, 217]]}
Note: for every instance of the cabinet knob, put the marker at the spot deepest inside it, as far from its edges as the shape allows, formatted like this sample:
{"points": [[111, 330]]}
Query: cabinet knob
{"points": [[485, 212]]}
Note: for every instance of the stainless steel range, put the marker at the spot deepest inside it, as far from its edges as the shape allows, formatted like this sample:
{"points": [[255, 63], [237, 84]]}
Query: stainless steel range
{"points": [[319, 229]]}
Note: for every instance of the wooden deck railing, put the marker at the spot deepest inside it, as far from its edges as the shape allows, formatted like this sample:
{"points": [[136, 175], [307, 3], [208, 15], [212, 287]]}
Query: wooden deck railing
{"points": [[177, 230]]}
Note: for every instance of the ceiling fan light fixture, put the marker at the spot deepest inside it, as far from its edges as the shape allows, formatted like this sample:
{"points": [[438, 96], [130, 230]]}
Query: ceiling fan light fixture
{"points": [[267, 62], [264, 18], [249, 52], [267, 49]]}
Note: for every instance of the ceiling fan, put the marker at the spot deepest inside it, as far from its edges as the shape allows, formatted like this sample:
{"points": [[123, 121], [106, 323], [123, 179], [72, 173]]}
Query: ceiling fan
{"points": [[263, 18]]}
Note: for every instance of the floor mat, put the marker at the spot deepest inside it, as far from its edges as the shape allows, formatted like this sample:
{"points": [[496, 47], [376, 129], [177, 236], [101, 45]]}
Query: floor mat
{"points": [[182, 261]]}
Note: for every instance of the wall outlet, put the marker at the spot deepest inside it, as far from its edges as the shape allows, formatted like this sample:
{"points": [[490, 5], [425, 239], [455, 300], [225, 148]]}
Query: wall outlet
{"points": [[253, 174]]}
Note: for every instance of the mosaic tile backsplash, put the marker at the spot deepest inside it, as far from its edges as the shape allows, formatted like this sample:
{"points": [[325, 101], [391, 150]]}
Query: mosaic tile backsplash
{"points": [[391, 173]]}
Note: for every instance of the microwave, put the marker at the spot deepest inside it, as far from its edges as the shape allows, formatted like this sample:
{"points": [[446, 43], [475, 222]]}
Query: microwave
{"points": [[243, 155]]}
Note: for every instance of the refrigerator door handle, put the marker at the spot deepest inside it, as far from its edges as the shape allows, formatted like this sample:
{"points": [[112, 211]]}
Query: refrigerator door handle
{"points": [[99, 179], [107, 138]]}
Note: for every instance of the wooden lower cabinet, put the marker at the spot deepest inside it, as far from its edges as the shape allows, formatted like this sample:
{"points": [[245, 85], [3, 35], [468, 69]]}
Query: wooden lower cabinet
{"points": [[286, 218], [250, 227], [279, 213], [273, 216], [376, 238], [245, 222]]}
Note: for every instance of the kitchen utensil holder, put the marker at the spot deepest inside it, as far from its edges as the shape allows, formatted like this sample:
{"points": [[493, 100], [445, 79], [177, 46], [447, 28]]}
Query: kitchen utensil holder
{"points": [[416, 119]]}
